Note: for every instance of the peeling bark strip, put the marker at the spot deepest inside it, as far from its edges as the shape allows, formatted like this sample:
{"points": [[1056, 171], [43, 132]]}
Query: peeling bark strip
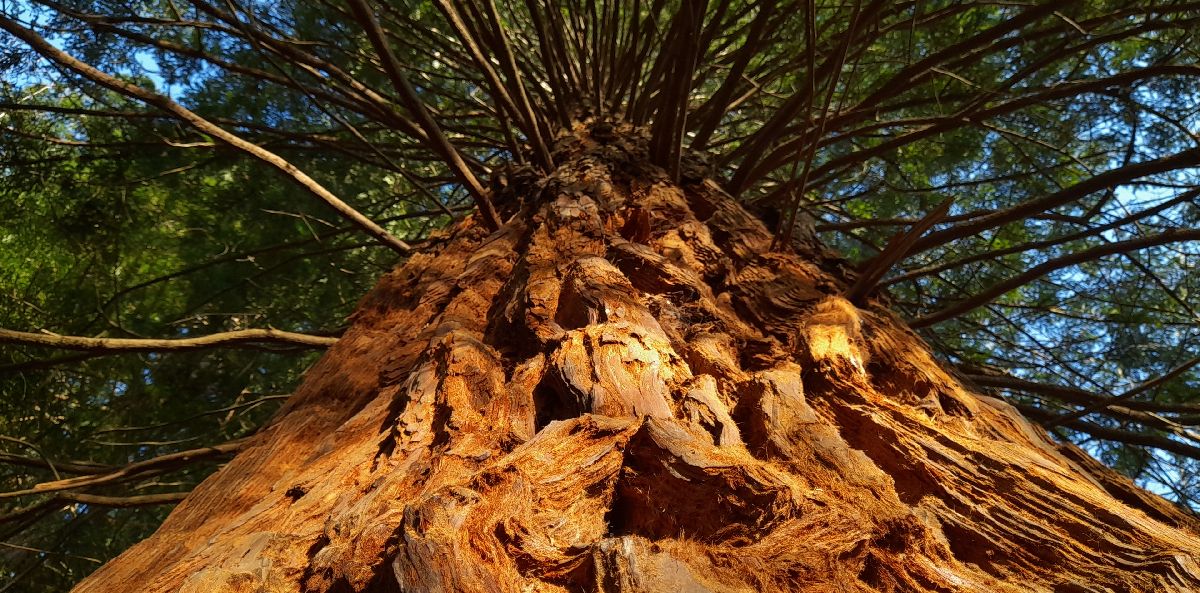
{"points": [[624, 390]]}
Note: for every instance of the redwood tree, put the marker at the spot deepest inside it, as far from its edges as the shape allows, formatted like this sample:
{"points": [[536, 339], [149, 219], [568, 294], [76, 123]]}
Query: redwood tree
{"points": [[666, 336]]}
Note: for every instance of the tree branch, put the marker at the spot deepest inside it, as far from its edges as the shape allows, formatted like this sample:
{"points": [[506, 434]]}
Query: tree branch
{"points": [[1101, 405], [1108, 179], [990, 294], [157, 465], [995, 253], [1113, 434], [121, 502], [896, 249], [438, 141], [47, 50], [111, 345]]}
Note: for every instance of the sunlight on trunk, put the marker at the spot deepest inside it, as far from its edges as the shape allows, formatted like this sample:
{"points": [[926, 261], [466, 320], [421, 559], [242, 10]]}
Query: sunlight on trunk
{"points": [[624, 389]]}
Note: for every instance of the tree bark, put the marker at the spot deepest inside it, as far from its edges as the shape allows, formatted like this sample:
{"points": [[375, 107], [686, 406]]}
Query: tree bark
{"points": [[623, 390]]}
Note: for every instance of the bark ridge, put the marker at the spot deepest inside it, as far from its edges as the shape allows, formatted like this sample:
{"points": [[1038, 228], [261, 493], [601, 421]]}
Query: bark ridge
{"points": [[624, 390]]}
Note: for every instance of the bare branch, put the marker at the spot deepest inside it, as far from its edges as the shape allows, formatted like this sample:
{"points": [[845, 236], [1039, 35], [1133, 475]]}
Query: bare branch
{"points": [[679, 66], [1156, 441], [47, 50], [1073, 395], [1101, 405], [1091, 232], [897, 248], [1108, 179], [70, 467], [157, 465], [982, 298], [121, 502], [113, 345], [438, 140]]}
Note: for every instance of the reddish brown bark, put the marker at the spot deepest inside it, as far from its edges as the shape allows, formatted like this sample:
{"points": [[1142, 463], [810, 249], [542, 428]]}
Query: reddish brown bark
{"points": [[622, 389]]}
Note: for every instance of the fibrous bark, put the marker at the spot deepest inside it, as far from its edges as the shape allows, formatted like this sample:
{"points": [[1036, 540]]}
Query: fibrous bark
{"points": [[624, 389]]}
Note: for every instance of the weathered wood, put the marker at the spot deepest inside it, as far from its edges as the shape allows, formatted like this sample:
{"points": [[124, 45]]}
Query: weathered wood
{"points": [[624, 390]]}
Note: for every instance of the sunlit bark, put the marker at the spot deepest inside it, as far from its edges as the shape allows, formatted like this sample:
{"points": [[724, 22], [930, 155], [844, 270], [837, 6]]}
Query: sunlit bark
{"points": [[624, 389]]}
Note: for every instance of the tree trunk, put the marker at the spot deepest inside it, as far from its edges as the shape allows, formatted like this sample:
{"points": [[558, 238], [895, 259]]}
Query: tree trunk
{"points": [[623, 389]]}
